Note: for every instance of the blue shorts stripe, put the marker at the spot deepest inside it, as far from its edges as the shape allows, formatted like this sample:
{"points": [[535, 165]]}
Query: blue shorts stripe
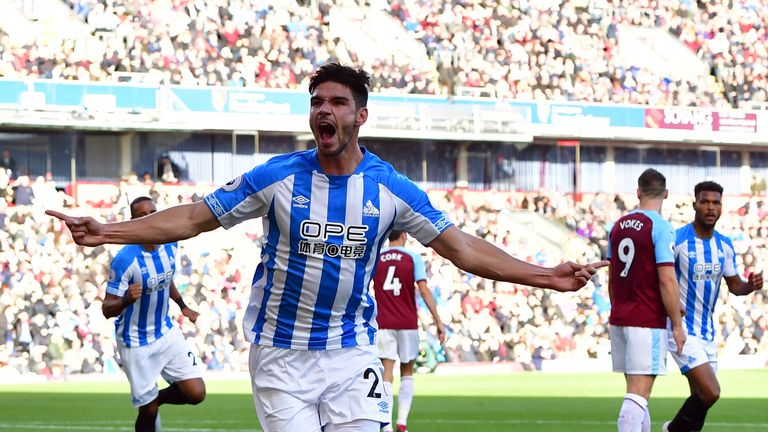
{"points": [[656, 351]]}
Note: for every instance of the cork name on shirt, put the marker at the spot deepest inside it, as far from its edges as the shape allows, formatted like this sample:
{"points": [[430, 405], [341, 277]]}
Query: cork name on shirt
{"points": [[391, 257]]}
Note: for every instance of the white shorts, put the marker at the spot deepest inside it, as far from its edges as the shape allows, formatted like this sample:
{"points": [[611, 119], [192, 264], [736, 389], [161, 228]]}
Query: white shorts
{"points": [[639, 350], [168, 356], [303, 390], [398, 344], [696, 352]]}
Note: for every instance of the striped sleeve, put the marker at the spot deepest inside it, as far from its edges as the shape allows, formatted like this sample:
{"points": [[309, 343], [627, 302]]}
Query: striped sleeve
{"points": [[415, 213], [250, 195], [120, 274]]}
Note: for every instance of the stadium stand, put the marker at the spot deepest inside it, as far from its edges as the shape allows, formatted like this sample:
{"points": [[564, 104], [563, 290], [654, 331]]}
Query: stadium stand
{"points": [[573, 50], [50, 313], [549, 50]]}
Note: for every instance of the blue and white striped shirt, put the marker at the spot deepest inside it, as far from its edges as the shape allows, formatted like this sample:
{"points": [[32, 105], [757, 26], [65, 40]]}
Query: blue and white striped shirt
{"points": [[145, 320], [700, 266], [323, 234]]}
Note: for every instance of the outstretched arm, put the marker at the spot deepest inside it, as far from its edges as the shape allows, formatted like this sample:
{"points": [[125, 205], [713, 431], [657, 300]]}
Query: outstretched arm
{"points": [[738, 286], [172, 224], [479, 257]]}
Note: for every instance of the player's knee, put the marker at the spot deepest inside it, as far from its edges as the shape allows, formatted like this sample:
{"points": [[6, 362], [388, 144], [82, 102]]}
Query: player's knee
{"points": [[710, 395], [196, 395]]}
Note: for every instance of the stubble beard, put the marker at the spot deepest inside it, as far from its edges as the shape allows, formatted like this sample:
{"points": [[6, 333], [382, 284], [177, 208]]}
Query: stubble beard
{"points": [[342, 145]]}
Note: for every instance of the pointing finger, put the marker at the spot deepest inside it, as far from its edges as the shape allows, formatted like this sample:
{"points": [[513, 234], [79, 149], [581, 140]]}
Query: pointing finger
{"points": [[60, 215]]}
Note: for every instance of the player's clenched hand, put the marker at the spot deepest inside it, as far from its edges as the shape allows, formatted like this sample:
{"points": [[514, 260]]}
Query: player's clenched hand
{"points": [[190, 314], [756, 280], [86, 231], [570, 276], [134, 293], [679, 335]]}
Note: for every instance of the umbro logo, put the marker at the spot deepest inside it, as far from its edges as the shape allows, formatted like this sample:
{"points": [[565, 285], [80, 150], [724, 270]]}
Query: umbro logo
{"points": [[300, 201], [383, 407], [370, 209], [442, 223]]}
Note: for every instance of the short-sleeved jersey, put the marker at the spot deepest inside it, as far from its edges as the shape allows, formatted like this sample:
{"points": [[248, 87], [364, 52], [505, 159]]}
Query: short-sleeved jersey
{"points": [[640, 241], [322, 236], [394, 284], [145, 320], [700, 266]]}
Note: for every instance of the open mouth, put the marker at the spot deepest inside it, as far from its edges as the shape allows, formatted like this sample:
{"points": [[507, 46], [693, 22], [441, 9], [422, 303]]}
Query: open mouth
{"points": [[326, 130]]}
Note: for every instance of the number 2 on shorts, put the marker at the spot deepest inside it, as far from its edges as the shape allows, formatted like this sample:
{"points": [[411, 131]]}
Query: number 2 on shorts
{"points": [[372, 393]]}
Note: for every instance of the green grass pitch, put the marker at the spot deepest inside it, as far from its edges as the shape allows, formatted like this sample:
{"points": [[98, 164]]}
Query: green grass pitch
{"points": [[513, 402]]}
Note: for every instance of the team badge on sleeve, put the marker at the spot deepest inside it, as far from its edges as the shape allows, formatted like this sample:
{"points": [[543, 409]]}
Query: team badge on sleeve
{"points": [[233, 184], [112, 275]]}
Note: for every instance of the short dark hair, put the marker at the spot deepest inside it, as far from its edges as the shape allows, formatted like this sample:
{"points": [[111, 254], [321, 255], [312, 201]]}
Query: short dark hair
{"points": [[395, 235], [357, 80], [136, 201], [709, 186], [652, 183]]}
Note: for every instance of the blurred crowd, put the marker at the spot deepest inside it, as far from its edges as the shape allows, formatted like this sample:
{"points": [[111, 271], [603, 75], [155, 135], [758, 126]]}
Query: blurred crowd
{"points": [[543, 50], [23, 191], [51, 322]]}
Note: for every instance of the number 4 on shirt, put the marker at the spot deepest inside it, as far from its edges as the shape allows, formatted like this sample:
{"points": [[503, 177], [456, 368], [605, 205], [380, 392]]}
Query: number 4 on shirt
{"points": [[392, 282]]}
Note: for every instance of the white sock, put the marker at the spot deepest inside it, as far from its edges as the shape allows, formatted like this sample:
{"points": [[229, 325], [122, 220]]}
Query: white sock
{"points": [[404, 399], [632, 413], [647, 420], [390, 401]]}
